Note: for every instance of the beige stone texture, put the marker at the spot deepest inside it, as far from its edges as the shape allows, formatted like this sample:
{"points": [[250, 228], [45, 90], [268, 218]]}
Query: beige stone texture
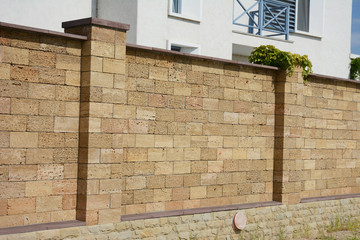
{"points": [[14, 55], [21, 206], [23, 140], [12, 156]]}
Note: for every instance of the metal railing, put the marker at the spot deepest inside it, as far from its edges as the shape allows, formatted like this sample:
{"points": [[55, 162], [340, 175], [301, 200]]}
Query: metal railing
{"points": [[264, 16]]}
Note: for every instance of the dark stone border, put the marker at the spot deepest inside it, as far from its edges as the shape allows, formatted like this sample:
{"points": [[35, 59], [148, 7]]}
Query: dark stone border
{"points": [[333, 78], [41, 227], [326, 198], [13, 27], [173, 213], [96, 21], [165, 51]]}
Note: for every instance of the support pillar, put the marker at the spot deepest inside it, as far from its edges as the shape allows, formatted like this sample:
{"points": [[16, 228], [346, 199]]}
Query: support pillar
{"points": [[289, 142], [100, 152]]}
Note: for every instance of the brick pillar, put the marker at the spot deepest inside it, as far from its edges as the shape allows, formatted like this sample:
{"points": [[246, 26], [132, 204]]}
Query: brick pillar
{"points": [[289, 143], [100, 153]]}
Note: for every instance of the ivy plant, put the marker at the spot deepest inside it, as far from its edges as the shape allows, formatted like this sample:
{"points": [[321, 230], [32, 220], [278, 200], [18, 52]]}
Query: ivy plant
{"points": [[355, 69], [270, 55]]}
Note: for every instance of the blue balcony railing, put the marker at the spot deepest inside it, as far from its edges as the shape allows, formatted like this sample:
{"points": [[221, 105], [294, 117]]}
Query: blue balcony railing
{"points": [[264, 17]]}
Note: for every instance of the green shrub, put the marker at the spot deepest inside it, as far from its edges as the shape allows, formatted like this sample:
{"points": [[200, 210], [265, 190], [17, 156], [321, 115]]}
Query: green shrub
{"points": [[355, 69], [270, 55]]}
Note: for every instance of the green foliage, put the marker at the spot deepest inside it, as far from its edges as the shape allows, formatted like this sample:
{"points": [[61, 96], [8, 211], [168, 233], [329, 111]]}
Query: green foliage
{"points": [[282, 234], [271, 56], [344, 224], [355, 69]]}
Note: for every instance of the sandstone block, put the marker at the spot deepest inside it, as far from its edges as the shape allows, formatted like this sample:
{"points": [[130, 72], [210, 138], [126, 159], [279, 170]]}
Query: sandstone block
{"points": [[50, 171], [162, 195], [110, 186], [109, 216], [13, 88], [51, 76], [12, 123], [38, 188], [145, 113], [21, 206], [145, 140], [101, 49], [42, 59], [163, 168], [137, 154], [23, 140], [22, 173], [40, 124], [67, 93], [41, 91], [124, 111], [156, 154], [72, 78], [112, 155], [159, 73], [197, 192], [155, 181], [51, 140], [21, 73], [48, 203], [164, 141], [12, 189], [24, 106], [137, 182], [113, 66], [182, 167], [14, 55], [4, 71]]}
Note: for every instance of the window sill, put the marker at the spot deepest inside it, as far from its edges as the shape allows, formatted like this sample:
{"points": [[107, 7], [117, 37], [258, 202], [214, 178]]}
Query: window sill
{"points": [[182, 16], [307, 34], [260, 36]]}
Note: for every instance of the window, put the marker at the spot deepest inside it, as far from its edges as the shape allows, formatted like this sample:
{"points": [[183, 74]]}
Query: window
{"points": [[183, 47], [303, 15], [186, 9], [310, 17], [176, 6], [175, 48]]}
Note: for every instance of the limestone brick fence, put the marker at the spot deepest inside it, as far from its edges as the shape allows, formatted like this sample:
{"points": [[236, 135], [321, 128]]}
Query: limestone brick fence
{"points": [[146, 142]]}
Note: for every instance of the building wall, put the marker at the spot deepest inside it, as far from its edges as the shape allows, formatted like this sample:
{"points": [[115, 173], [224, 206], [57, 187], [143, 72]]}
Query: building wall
{"points": [[329, 50], [46, 14], [39, 125], [120, 11], [328, 44]]}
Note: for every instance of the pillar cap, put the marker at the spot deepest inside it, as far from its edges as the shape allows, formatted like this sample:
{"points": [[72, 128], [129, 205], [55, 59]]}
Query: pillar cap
{"points": [[96, 21]]}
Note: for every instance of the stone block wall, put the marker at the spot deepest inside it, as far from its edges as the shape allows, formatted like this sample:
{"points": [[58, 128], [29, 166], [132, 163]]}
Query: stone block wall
{"points": [[297, 221], [95, 130], [331, 138], [39, 125], [200, 133]]}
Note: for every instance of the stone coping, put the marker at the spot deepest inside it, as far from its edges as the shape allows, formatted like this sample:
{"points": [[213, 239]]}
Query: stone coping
{"points": [[326, 198], [165, 51], [333, 78], [192, 211], [96, 21], [41, 31], [41, 227]]}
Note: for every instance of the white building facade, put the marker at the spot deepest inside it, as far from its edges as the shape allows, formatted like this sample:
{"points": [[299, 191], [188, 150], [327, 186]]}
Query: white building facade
{"points": [[319, 28]]}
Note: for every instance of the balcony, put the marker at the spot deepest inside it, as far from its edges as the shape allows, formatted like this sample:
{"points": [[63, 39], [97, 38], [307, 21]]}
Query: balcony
{"points": [[265, 17]]}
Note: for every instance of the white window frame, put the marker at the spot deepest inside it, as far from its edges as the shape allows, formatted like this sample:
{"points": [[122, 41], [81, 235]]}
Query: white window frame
{"points": [[183, 15], [188, 47], [311, 32]]}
